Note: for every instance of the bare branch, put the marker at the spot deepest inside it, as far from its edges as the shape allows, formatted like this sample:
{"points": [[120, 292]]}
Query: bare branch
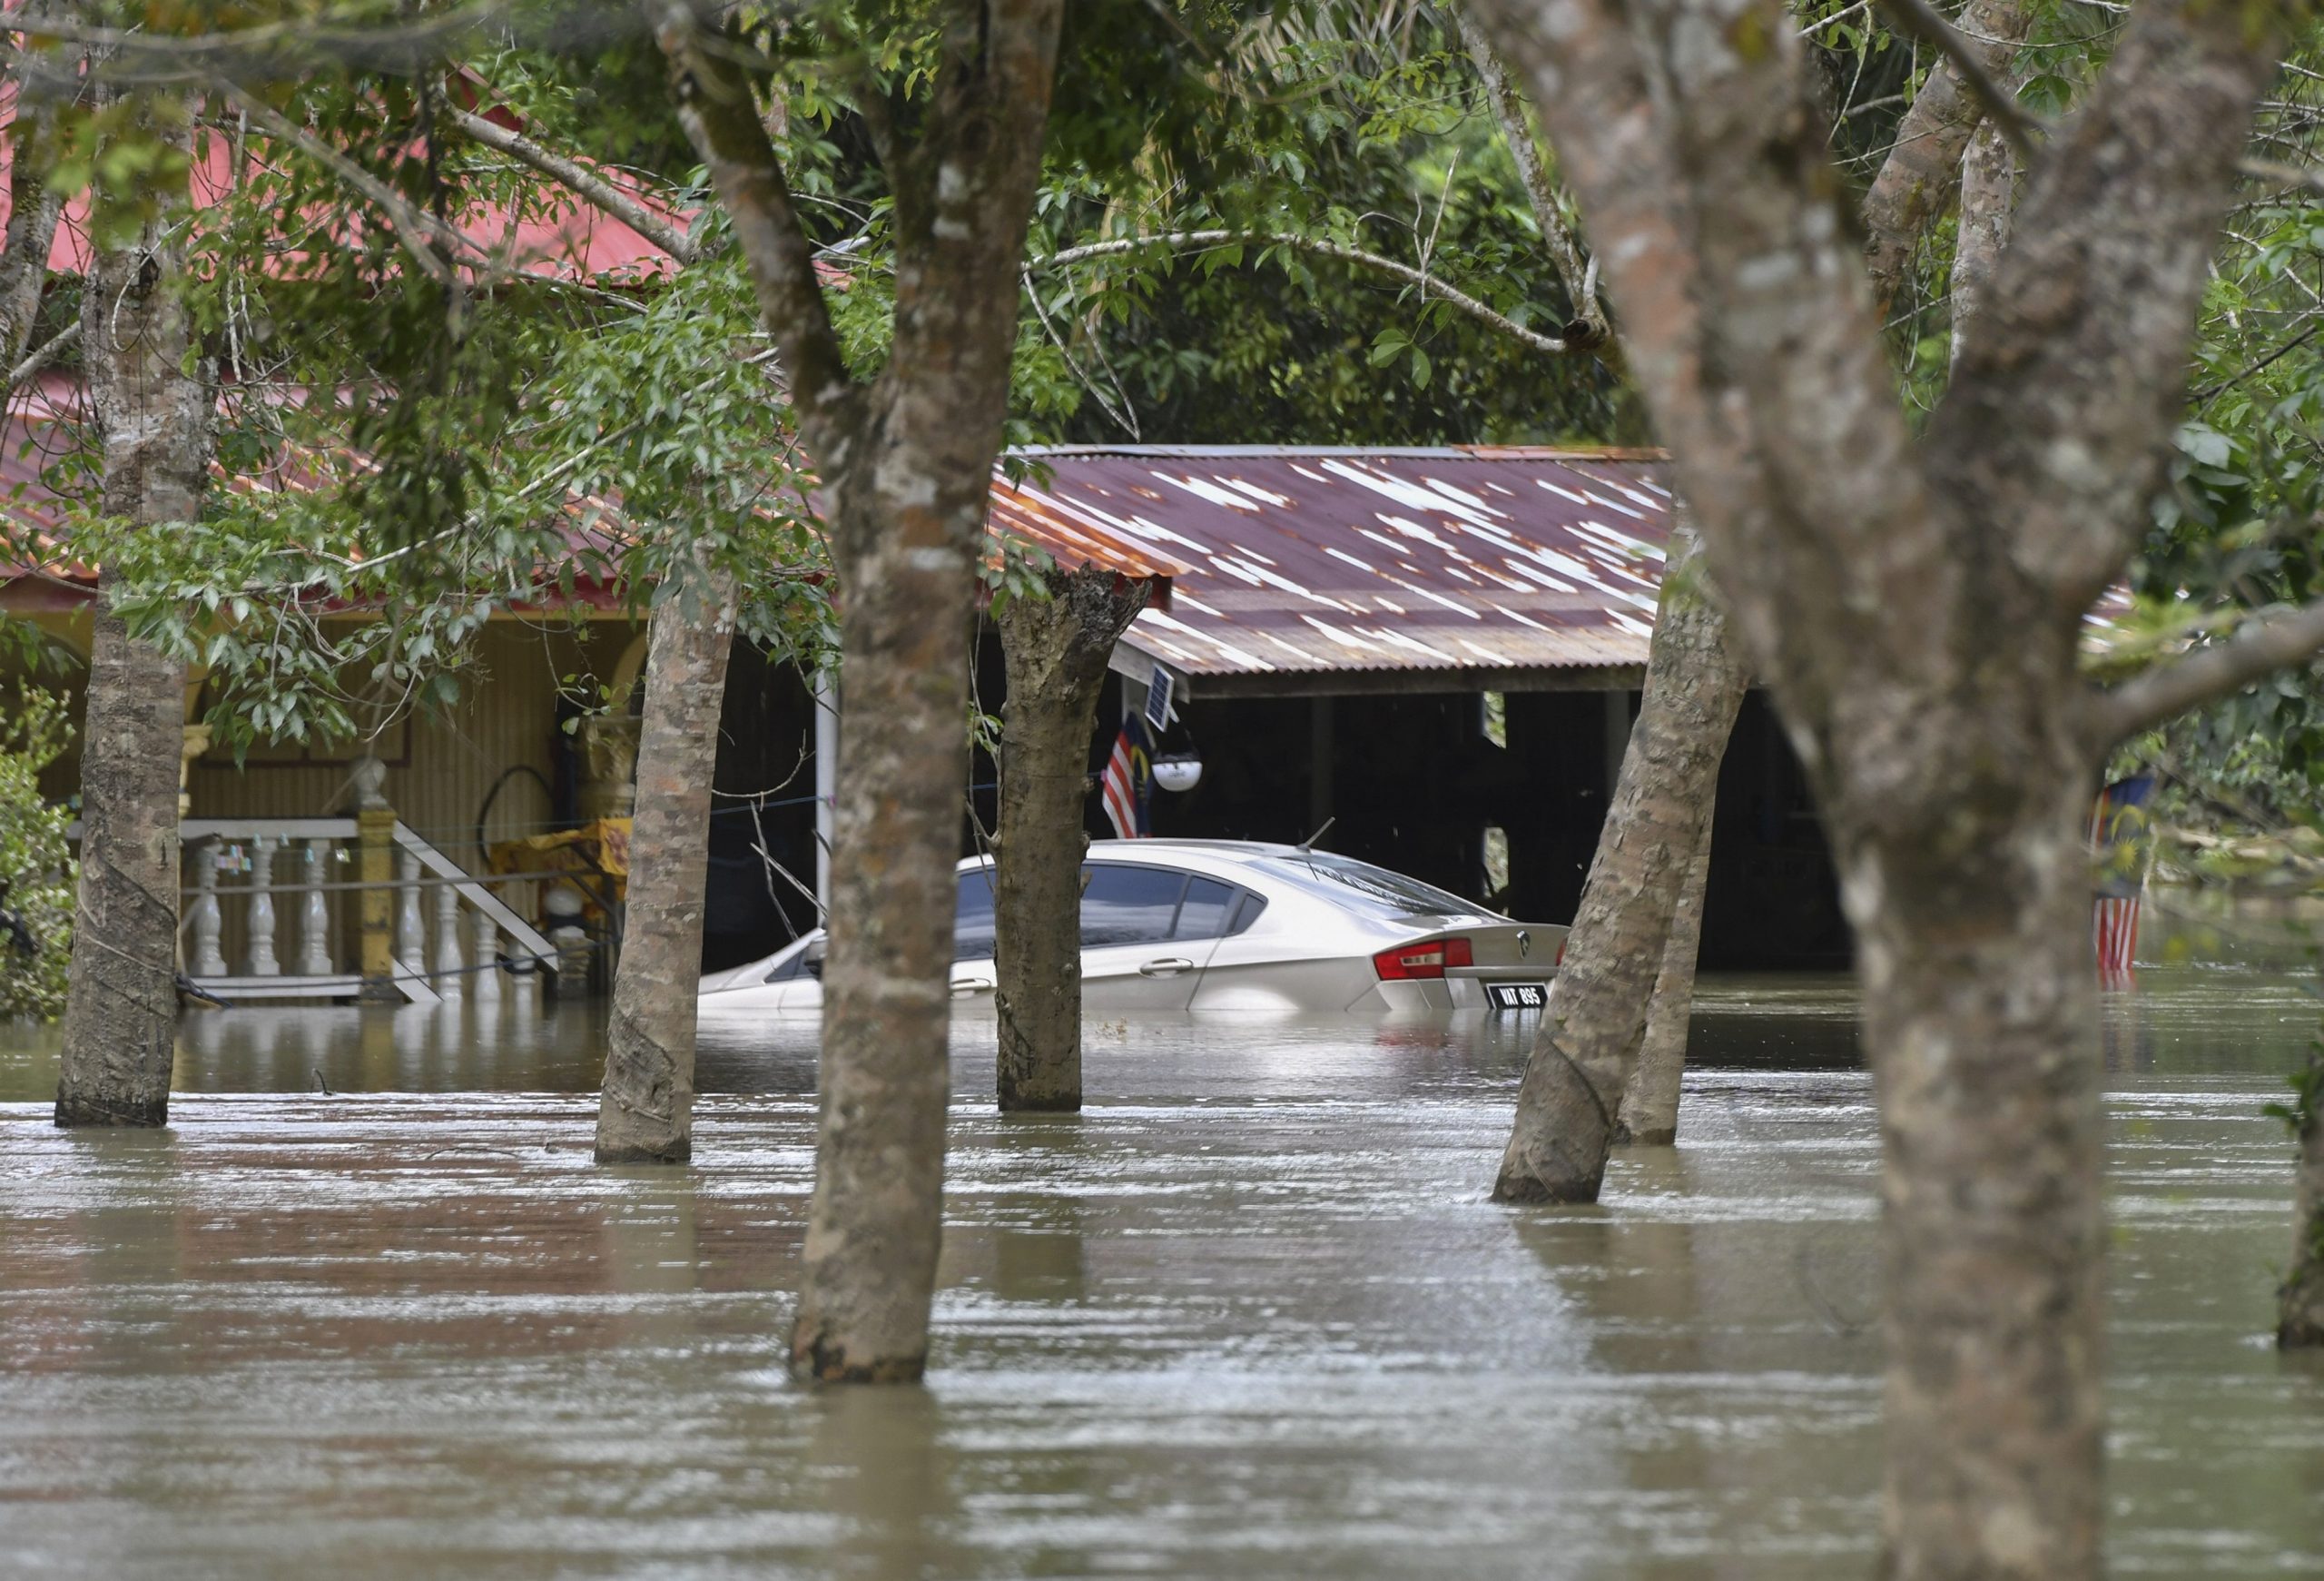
{"points": [[2263, 644], [1428, 284], [720, 114], [2288, 177], [1517, 132], [305, 39], [583, 182], [2024, 129], [42, 355], [415, 228]]}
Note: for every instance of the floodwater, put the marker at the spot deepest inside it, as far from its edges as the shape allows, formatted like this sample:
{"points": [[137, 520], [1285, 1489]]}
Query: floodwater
{"points": [[1249, 1315]]}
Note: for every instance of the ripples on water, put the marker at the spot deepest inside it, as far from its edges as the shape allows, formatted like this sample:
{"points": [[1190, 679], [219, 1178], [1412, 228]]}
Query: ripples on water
{"points": [[1249, 1315]]}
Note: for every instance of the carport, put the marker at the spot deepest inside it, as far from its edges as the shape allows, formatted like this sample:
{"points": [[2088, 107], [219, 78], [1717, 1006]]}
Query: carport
{"points": [[1437, 652]]}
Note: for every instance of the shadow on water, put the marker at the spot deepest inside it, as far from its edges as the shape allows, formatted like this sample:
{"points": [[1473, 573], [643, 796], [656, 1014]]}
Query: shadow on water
{"points": [[1248, 1315]]}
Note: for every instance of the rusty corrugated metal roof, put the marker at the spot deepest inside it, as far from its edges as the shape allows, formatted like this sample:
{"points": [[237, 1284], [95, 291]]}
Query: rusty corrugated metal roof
{"points": [[1073, 537], [1308, 559]]}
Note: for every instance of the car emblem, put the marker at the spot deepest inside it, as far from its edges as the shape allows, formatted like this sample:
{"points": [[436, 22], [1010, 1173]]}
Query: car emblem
{"points": [[1524, 943]]}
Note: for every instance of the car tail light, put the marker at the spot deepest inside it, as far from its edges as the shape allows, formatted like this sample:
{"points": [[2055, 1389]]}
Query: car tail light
{"points": [[1428, 958], [1560, 960]]}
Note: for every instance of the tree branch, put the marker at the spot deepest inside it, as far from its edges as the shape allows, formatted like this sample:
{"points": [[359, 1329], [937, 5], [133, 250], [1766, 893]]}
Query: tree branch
{"points": [[2073, 372], [414, 227], [2263, 644], [1517, 132], [2024, 129], [1428, 284], [269, 48], [42, 355], [1919, 179], [720, 117], [581, 180]]}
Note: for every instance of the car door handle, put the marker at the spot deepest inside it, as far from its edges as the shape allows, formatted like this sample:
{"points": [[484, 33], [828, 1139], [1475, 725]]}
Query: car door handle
{"points": [[969, 987], [1168, 966]]}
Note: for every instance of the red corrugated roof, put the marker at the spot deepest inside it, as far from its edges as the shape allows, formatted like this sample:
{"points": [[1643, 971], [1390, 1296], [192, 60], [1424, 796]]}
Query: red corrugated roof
{"points": [[562, 238]]}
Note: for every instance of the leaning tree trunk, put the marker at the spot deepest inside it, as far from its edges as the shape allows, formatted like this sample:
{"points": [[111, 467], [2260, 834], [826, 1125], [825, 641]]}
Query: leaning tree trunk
{"points": [[2299, 1311], [1589, 1039], [121, 1012], [1057, 649], [645, 1109], [1649, 1111]]}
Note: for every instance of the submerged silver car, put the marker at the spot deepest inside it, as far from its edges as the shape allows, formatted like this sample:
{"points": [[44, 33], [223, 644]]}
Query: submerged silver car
{"points": [[1228, 925]]}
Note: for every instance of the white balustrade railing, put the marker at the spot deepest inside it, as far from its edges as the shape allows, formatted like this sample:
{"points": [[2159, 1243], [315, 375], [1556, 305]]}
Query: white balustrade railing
{"points": [[237, 943]]}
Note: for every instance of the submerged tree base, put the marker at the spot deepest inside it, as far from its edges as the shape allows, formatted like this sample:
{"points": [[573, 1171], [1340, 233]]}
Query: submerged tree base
{"points": [[76, 1111], [814, 1360], [681, 1152], [2301, 1326]]}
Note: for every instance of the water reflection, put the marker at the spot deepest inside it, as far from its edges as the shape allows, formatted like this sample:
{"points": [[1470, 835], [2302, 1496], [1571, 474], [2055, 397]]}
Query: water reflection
{"points": [[1248, 1315]]}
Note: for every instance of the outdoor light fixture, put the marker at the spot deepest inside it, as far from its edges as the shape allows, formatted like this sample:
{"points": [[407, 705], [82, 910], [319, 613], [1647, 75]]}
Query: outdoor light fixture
{"points": [[1181, 771]]}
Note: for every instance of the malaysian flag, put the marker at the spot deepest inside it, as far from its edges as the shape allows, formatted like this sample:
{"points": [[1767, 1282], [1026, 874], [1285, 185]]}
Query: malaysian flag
{"points": [[1127, 789]]}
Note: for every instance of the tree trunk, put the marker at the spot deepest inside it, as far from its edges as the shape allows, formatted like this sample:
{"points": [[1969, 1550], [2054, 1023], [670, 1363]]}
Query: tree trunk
{"points": [[33, 209], [907, 577], [1918, 181], [1056, 649], [121, 1015], [1988, 195], [2299, 1312], [646, 1111], [1588, 1040], [906, 460], [1973, 935], [1650, 1113]]}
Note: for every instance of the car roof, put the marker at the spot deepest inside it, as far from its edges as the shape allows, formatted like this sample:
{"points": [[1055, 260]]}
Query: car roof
{"points": [[1152, 847]]}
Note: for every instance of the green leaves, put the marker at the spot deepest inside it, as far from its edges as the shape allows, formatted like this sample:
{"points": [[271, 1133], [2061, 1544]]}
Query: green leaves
{"points": [[37, 872]]}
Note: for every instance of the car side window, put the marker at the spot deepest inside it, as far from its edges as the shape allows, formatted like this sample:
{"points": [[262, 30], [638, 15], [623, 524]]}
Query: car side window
{"points": [[1123, 904], [1203, 913], [972, 916], [1246, 912]]}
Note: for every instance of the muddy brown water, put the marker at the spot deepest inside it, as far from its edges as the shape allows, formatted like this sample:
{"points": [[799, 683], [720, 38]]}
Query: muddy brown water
{"points": [[1249, 1315]]}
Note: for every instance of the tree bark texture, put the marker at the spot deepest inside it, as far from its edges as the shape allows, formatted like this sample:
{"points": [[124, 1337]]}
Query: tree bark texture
{"points": [[2299, 1309], [645, 1108], [1056, 649], [1649, 1111], [1921, 177], [1914, 604], [1582, 1057], [120, 1013], [906, 461], [1988, 195], [33, 209]]}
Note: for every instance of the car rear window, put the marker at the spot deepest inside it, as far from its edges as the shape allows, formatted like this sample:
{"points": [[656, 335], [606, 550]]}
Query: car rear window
{"points": [[1359, 886]]}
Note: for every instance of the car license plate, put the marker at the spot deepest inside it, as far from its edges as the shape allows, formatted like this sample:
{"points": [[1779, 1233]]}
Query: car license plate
{"points": [[1517, 995]]}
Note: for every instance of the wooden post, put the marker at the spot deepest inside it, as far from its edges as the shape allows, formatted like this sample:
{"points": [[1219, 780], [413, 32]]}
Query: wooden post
{"points": [[375, 834], [263, 962]]}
